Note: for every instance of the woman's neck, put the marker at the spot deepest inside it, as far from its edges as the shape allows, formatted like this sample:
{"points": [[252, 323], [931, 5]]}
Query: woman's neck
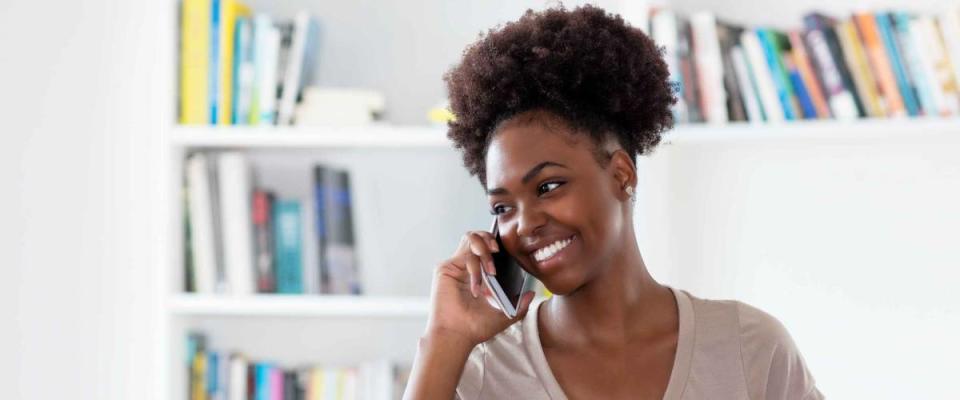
{"points": [[622, 304]]}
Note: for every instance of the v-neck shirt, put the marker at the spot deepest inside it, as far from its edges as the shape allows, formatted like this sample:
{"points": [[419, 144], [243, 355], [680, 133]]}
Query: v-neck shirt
{"points": [[725, 350]]}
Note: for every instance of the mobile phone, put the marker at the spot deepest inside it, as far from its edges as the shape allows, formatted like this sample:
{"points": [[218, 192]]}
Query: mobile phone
{"points": [[507, 285]]}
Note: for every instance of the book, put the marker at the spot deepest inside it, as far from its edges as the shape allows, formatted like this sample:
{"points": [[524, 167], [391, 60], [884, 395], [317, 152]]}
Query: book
{"points": [[688, 70], [781, 78], [917, 71], [664, 31], [807, 110], [236, 192], [300, 60], [772, 108], [828, 60], [748, 85], [709, 65], [879, 62], [937, 65], [811, 83], [228, 12], [897, 64], [243, 71], [264, 242], [728, 35], [194, 60], [204, 235], [266, 52], [338, 265], [288, 244], [237, 379], [856, 59]]}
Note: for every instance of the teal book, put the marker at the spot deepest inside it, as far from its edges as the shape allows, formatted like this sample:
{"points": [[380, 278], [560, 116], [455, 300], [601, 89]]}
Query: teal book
{"points": [[898, 62], [781, 78], [288, 246], [261, 381]]}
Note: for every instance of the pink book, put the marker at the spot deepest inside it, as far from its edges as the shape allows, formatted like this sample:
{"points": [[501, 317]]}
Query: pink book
{"points": [[276, 384]]}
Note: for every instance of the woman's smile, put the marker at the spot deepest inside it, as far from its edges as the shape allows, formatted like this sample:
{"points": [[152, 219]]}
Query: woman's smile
{"points": [[555, 254]]}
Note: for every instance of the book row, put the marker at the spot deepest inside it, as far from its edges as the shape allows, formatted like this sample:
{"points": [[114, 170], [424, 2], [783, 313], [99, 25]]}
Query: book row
{"points": [[219, 375], [243, 239], [871, 64], [241, 68]]}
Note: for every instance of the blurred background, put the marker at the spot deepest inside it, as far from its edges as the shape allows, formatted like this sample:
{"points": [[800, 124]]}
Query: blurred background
{"points": [[203, 198]]}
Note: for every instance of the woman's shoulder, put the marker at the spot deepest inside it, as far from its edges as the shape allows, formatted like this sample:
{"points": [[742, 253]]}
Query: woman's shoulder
{"points": [[772, 364]]}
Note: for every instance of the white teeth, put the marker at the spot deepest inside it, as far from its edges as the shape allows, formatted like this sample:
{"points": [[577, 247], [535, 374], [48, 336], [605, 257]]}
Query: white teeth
{"points": [[551, 249]]}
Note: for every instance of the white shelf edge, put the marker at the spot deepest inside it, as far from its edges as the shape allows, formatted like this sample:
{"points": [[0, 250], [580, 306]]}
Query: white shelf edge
{"points": [[385, 136], [298, 306], [390, 136], [819, 130]]}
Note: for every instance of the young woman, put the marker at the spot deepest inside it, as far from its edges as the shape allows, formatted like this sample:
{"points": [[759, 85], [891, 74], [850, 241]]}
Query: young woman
{"points": [[552, 111]]}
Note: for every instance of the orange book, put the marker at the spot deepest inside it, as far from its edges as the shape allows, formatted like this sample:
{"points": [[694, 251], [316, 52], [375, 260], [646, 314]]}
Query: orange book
{"points": [[880, 63], [802, 61]]}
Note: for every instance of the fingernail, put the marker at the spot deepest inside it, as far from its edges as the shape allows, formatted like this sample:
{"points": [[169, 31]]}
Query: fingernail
{"points": [[491, 269], [473, 290]]}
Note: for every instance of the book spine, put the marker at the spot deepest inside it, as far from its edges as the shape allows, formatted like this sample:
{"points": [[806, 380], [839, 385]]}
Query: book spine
{"points": [[688, 62], [773, 110], [748, 87], [320, 190], [242, 71], [709, 66], [796, 81], [842, 103], [194, 60], [237, 389], [262, 381], [214, 72], [879, 63], [341, 257], [897, 64], [663, 27], [914, 63], [291, 79], [859, 70], [202, 230], [236, 194], [263, 232], [810, 82], [781, 80], [289, 244]]}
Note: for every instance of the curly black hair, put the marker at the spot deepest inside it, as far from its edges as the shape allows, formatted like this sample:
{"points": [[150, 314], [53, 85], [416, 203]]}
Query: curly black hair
{"points": [[590, 68]]}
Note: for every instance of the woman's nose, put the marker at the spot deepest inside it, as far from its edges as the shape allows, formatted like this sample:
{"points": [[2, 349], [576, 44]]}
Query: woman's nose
{"points": [[530, 220]]}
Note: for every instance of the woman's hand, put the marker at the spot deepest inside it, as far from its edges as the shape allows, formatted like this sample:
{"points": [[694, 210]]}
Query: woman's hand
{"points": [[462, 304]]}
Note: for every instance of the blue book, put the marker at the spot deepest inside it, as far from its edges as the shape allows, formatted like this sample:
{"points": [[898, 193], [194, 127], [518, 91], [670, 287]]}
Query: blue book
{"points": [[780, 76], [898, 63], [288, 246], [261, 381], [214, 87], [806, 104], [213, 361]]}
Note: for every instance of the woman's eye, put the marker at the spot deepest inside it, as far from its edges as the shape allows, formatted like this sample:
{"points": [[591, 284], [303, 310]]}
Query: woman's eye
{"points": [[548, 187], [498, 209]]}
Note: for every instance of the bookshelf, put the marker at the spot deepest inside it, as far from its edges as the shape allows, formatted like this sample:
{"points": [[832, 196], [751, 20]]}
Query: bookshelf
{"points": [[400, 162]]}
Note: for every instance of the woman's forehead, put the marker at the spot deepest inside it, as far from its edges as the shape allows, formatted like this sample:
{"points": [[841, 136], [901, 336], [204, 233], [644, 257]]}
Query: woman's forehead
{"points": [[515, 148]]}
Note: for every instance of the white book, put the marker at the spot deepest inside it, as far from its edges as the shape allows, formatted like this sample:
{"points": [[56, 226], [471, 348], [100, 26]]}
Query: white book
{"points": [[706, 48], [949, 21], [745, 82], [236, 216], [931, 55], [266, 56], [294, 68], [376, 379], [664, 31], [762, 75], [237, 382], [202, 233]]}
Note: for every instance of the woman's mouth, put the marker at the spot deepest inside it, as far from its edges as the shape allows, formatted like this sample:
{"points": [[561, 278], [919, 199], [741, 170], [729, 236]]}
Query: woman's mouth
{"points": [[552, 253]]}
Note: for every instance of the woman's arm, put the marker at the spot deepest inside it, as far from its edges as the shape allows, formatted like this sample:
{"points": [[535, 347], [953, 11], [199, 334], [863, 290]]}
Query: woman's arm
{"points": [[437, 366]]}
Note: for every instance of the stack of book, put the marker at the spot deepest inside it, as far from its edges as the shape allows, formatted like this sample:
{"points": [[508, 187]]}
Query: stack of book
{"points": [[872, 64], [219, 375], [237, 68], [241, 239]]}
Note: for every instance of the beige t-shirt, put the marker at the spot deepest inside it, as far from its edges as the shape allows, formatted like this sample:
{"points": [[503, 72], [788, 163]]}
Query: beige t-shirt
{"points": [[725, 350]]}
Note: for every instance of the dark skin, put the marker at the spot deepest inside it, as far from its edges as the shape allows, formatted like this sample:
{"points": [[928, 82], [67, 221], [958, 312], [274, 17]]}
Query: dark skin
{"points": [[611, 331]]}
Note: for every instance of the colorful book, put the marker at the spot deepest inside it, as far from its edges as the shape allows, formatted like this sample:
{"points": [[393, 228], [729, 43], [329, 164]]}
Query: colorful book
{"points": [[264, 242], [194, 60], [856, 59], [748, 86], [916, 70], [799, 89], [879, 62], [897, 63], [228, 12], [243, 71], [837, 79], [781, 79], [288, 236], [772, 108], [811, 82]]}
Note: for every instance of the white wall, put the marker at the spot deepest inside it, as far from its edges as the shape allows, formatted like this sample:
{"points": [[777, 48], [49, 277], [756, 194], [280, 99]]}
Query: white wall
{"points": [[79, 130], [852, 244]]}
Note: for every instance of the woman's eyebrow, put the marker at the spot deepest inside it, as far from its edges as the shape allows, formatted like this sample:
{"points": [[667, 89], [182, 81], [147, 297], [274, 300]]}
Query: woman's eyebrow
{"points": [[528, 176]]}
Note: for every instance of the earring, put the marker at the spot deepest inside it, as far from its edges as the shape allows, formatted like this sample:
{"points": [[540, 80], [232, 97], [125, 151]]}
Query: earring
{"points": [[629, 190]]}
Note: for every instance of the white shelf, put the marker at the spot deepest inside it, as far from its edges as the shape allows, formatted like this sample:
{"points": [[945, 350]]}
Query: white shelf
{"points": [[383, 136], [388, 136], [817, 130], [299, 306]]}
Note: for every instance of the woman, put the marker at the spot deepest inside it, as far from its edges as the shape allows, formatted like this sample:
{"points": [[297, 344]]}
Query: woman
{"points": [[551, 112]]}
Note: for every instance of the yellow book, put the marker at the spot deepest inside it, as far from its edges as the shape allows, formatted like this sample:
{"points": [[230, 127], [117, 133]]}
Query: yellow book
{"points": [[229, 11], [194, 61], [863, 79]]}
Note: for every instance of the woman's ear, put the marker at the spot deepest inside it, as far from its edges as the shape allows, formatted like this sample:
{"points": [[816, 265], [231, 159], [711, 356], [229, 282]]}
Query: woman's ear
{"points": [[624, 173]]}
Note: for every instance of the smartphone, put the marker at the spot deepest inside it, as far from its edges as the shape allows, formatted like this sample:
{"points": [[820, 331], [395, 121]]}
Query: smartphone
{"points": [[507, 285]]}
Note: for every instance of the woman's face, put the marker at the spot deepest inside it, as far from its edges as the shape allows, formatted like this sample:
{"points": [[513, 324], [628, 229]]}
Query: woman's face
{"points": [[560, 212]]}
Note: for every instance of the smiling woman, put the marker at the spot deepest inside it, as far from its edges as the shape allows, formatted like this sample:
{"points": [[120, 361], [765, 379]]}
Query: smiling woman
{"points": [[552, 111]]}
